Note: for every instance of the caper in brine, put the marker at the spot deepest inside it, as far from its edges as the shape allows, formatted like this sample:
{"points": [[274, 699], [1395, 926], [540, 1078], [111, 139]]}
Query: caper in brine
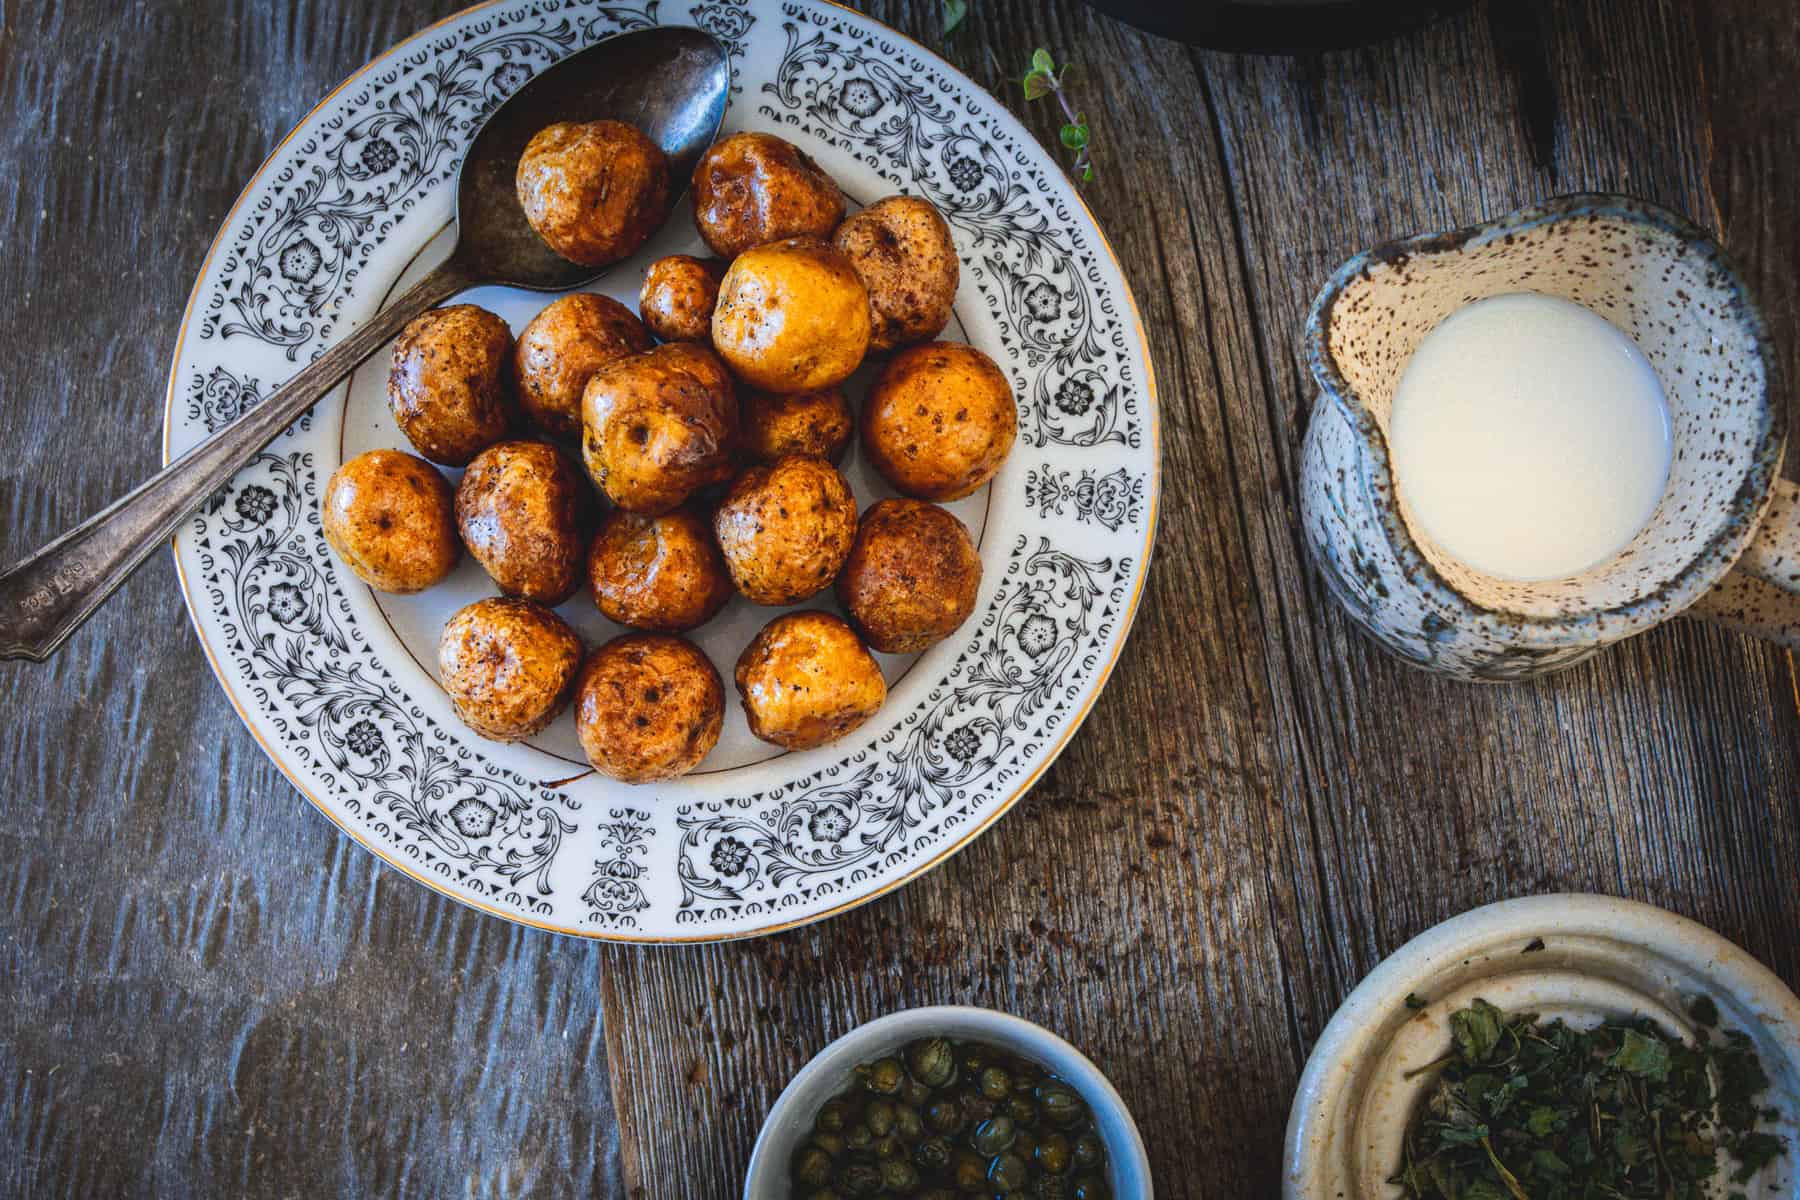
{"points": [[1021, 1110], [832, 1116], [858, 1176], [830, 1143], [897, 1175], [970, 1173], [975, 1106], [885, 1076], [907, 1124], [1089, 1153], [944, 1115], [1008, 1173], [879, 1117], [932, 1060], [972, 1057], [995, 1083], [1060, 1104], [1090, 1187], [812, 1166], [932, 1154], [993, 1136], [914, 1093], [1054, 1154], [887, 1147], [859, 1137]]}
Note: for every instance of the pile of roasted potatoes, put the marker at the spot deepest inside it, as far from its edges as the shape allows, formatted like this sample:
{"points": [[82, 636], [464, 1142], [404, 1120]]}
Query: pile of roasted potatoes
{"points": [[662, 461]]}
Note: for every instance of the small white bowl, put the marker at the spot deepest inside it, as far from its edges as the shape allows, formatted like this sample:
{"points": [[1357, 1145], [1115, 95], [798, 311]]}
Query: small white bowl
{"points": [[1581, 958], [790, 1120]]}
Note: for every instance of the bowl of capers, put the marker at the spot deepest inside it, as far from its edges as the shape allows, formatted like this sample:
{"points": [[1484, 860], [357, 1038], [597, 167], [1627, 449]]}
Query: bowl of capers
{"points": [[948, 1102]]}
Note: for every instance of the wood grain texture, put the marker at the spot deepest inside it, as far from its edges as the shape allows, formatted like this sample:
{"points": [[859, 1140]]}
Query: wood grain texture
{"points": [[209, 991]]}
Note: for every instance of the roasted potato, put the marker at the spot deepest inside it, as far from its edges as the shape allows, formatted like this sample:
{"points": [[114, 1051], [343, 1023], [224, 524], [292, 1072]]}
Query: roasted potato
{"points": [[792, 316], [594, 191], [806, 680], [449, 388], [649, 706], [661, 573], [508, 665], [678, 297], [753, 188], [388, 516], [560, 351], [785, 529], [811, 423], [522, 510], [902, 249], [912, 576], [939, 420], [659, 426]]}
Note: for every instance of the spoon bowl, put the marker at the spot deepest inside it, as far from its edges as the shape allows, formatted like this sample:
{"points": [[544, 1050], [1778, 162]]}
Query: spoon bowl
{"points": [[673, 83]]}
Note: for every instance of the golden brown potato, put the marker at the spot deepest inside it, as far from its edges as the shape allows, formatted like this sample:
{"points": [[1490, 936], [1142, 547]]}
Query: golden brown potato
{"points": [[659, 426], [901, 246], [649, 707], [508, 665], [678, 297], [560, 351], [792, 316], [662, 573], [811, 423], [805, 680], [785, 529], [753, 188], [448, 387], [594, 191], [912, 576], [939, 421], [522, 511], [388, 516]]}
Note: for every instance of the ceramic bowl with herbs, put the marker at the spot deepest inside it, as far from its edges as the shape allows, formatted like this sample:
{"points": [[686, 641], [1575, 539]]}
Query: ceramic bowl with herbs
{"points": [[1555, 1047], [949, 1102]]}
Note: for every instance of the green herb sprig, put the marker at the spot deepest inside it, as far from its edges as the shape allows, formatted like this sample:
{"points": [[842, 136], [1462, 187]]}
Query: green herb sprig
{"points": [[1046, 79], [1528, 1111]]}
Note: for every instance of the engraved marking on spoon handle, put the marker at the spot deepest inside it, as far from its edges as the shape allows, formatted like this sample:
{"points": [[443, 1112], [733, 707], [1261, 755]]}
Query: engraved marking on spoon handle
{"points": [[45, 597]]}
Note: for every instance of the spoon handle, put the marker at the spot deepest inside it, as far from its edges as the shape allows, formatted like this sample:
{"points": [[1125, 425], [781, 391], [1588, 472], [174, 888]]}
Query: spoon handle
{"points": [[45, 597]]}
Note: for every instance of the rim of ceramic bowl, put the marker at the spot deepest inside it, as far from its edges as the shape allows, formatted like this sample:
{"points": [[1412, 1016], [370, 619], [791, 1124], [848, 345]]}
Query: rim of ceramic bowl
{"points": [[1129, 1162], [1366, 1022], [1704, 568]]}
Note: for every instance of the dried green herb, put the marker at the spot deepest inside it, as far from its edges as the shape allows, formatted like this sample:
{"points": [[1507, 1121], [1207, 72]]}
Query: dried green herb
{"points": [[1522, 1110]]}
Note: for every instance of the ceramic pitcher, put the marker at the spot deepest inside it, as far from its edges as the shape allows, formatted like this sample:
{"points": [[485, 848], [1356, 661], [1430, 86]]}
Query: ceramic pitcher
{"points": [[1723, 543]]}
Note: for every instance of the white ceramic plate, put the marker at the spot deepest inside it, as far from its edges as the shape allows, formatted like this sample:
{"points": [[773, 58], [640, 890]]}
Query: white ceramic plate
{"points": [[338, 683], [1578, 957]]}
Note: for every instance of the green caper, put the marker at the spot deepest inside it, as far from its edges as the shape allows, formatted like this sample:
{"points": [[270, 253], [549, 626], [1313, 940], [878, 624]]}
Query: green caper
{"points": [[975, 1106], [885, 1076], [858, 1176], [1054, 1153], [897, 1175], [1008, 1173], [995, 1083], [1060, 1104], [859, 1137], [944, 1115], [908, 1125], [1090, 1187], [933, 1061], [830, 1143], [812, 1166], [969, 1173], [888, 1147], [879, 1117], [832, 1117], [1089, 1153], [914, 1093], [933, 1154], [993, 1136], [1021, 1110]]}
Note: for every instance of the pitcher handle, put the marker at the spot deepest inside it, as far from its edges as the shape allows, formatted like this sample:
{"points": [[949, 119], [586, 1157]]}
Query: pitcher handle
{"points": [[1761, 595]]}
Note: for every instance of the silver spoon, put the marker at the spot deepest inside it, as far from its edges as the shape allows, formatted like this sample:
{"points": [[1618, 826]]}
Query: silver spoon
{"points": [[671, 83]]}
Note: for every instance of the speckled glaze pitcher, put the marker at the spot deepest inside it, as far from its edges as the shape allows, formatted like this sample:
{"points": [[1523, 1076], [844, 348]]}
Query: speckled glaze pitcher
{"points": [[1724, 543]]}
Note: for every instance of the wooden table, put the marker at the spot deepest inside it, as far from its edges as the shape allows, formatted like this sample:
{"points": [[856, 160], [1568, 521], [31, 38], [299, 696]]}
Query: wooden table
{"points": [[209, 990]]}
